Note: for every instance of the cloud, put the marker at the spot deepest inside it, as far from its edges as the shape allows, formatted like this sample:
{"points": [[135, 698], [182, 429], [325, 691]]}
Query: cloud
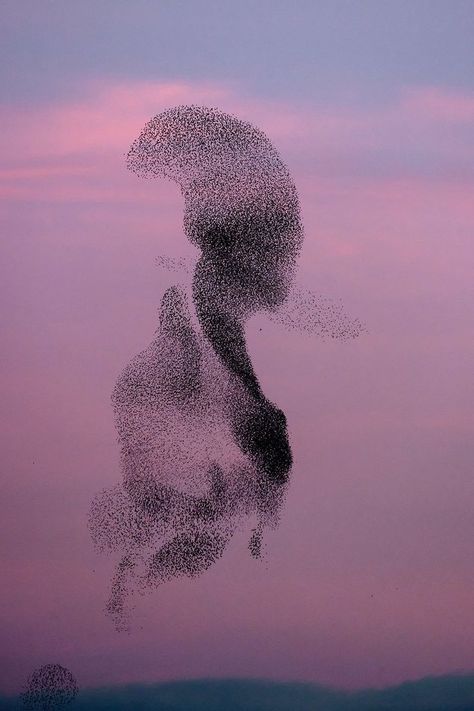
{"points": [[445, 693], [391, 236], [74, 150], [384, 183]]}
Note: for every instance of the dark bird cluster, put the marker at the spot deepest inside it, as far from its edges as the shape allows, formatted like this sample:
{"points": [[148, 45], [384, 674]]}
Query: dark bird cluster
{"points": [[50, 688], [202, 446]]}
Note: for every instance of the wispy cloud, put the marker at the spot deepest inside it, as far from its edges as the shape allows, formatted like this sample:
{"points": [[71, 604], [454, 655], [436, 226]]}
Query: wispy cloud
{"points": [[388, 214], [71, 150]]}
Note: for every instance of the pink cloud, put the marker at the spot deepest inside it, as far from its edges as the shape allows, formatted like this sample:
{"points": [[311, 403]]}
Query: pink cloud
{"points": [[88, 137], [440, 105], [381, 426], [360, 200]]}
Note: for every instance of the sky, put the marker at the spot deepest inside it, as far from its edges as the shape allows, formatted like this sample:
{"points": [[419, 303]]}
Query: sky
{"points": [[368, 580]]}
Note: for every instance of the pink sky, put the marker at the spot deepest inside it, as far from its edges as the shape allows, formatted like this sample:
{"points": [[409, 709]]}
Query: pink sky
{"points": [[369, 578]]}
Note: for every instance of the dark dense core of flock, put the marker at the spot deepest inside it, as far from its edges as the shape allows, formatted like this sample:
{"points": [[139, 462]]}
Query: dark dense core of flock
{"points": [[202, 446], [49, 688]]}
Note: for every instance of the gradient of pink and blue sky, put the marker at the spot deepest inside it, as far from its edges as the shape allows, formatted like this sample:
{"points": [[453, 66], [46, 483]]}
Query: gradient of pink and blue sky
{"points": [[369, 579]]}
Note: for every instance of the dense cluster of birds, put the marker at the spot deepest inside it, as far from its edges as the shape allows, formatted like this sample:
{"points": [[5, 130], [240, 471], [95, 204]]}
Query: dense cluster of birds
{"points": [[202, 447], [50, 688]]}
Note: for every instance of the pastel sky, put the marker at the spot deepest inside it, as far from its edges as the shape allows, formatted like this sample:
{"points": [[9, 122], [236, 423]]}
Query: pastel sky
{"points": [[369, 578]]}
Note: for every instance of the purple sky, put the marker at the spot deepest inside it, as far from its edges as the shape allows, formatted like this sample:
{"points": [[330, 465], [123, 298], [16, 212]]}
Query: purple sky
{"points": [[369, 578]]}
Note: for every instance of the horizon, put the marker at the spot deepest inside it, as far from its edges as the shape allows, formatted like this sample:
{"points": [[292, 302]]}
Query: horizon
{"points": [[453, 692]]}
